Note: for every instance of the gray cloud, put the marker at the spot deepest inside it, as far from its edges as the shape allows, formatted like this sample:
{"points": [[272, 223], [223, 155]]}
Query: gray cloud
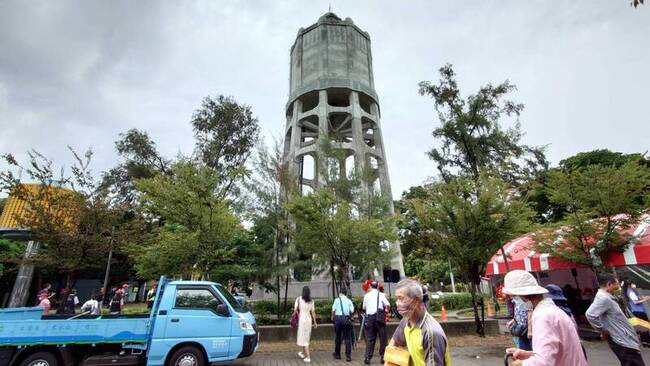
{"points": [[79, 72]]}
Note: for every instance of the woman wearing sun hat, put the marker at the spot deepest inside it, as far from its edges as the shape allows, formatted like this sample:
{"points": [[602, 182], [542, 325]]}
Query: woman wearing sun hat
{"points": [[555, 338]]}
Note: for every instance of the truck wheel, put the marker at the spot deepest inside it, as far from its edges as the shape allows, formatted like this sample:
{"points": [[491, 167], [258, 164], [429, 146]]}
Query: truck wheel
{"points": [[187, 356], [40, 359]]}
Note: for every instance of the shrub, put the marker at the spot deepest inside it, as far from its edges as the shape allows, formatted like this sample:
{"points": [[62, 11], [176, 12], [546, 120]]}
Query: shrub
{"points": [[451, 302]]}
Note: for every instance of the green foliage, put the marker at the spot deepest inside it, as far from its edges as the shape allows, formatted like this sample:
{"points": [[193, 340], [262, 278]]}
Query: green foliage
{"points": [[451, 301], [69, 214], [332, 230], [603, 157], [226, 133], [197, 224], [11, 252], [471, 135], [469, 220], [603, 202], [427, 267], [141, 160]]}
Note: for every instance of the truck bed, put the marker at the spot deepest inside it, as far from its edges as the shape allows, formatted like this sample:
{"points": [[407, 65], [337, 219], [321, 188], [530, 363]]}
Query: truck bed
{"points": [[27, 327]]}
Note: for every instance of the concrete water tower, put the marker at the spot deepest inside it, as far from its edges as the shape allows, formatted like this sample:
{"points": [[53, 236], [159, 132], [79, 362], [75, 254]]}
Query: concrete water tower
{"points": [[332, 96]]}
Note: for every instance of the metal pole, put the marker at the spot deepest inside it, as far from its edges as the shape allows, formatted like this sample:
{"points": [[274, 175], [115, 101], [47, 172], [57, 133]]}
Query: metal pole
{"points": [[24, 278], [108, 265], [451, 275]]}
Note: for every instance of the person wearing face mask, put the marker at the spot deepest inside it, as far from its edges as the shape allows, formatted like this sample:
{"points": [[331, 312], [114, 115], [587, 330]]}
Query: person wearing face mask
{"points": [[418, 331], [555, 338], [518, 325], [606, 316]]}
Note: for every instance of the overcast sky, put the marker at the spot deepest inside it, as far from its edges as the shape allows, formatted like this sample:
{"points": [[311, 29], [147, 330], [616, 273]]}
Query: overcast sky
{"points": [[80, 72]]}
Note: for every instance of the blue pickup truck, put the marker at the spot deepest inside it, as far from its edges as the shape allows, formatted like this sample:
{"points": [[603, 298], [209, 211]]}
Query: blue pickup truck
{"points": [[192, 323]]}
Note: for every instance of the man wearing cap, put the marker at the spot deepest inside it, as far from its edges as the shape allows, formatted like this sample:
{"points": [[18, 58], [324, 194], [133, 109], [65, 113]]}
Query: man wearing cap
{"points": [[606, 316], [555, 338], [556, 294], [374, 303]]}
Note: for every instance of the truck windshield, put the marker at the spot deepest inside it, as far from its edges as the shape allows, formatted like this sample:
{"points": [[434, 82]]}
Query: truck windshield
{"points": [[231, 300]]}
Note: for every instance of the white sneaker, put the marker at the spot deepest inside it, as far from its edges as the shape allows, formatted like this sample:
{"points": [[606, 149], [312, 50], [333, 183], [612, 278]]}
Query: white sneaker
{"points": [[307, 359], [301, 355]]}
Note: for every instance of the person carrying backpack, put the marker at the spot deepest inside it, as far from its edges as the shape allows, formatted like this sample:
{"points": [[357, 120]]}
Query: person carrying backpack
{"points": [[115, 305], [71, 302]]}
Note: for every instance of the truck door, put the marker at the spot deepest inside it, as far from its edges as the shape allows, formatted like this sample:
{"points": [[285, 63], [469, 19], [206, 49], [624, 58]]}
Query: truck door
{"points": [[194, 317]]}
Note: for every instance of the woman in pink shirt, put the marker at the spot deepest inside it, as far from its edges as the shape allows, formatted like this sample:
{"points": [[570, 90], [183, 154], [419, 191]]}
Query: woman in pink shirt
{"points": [[555, 338], [44, 302]]}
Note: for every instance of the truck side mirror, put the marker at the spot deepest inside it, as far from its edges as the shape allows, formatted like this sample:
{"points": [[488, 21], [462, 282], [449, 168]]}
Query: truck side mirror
{"points": [[222, 310]]}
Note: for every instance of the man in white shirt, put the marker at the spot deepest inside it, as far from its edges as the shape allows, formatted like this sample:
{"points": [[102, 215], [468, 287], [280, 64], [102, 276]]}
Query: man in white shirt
{"points": [[92, 306], [374, 303]]}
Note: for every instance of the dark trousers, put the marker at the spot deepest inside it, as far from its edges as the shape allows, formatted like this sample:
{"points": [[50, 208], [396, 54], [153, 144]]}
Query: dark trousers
{"points": [[645, 336], [627, 356], [343, 333], [374, 329]]}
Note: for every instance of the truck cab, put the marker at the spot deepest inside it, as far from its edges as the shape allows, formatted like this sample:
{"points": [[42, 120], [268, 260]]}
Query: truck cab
{"points": [[200, 315], [192, 323]]}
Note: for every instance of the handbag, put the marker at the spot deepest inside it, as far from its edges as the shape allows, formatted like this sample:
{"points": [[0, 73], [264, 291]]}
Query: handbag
{"points": [[380, 315], [347, 321], [295, 315], [519, 330]]}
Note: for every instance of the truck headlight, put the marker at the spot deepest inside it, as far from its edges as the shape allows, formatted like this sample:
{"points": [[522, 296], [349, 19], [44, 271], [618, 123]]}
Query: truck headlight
{"points": [[246, 326]]}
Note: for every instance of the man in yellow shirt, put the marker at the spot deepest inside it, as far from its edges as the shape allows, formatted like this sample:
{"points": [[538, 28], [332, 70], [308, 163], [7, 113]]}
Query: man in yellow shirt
{"points": [[418, 331]]}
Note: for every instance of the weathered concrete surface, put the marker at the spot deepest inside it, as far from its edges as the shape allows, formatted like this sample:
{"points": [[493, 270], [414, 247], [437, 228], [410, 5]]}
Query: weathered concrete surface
{"points": [[333, 100], [284, 333]]}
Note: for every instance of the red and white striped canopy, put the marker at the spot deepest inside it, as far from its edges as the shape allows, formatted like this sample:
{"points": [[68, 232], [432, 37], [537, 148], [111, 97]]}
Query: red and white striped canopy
{"points": [[521, 254]]}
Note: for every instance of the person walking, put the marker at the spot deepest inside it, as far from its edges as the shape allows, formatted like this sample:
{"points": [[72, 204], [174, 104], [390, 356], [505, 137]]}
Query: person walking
{"points": [[556, 294], [71, 302], [635, 303], [555, 338], [342, 310], [518, 325], [306, 320], [44, 301], [606, 316], [115, 305], [151, 296], [418, 331], [92, 306], [374, 303]]}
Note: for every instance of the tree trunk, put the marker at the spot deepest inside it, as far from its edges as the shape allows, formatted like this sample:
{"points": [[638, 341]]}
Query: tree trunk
{"points": [[345, 278], [479, 325], [69, 279], [286, 293], [505, 259], [333, 277]]}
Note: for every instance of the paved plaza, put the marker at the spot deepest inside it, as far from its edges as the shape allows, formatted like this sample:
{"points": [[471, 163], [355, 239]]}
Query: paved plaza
{"points": [[598, 353]]}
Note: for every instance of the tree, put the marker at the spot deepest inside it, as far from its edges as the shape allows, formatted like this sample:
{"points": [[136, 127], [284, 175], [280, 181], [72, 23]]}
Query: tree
{"points": [[141, 160], [603, 157], [226, 133], [272, 186], [195, 221], [469, 220], [68, 214], [537, 192], [473, 141], [339, 237], [603, 203], [471, 134]]}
